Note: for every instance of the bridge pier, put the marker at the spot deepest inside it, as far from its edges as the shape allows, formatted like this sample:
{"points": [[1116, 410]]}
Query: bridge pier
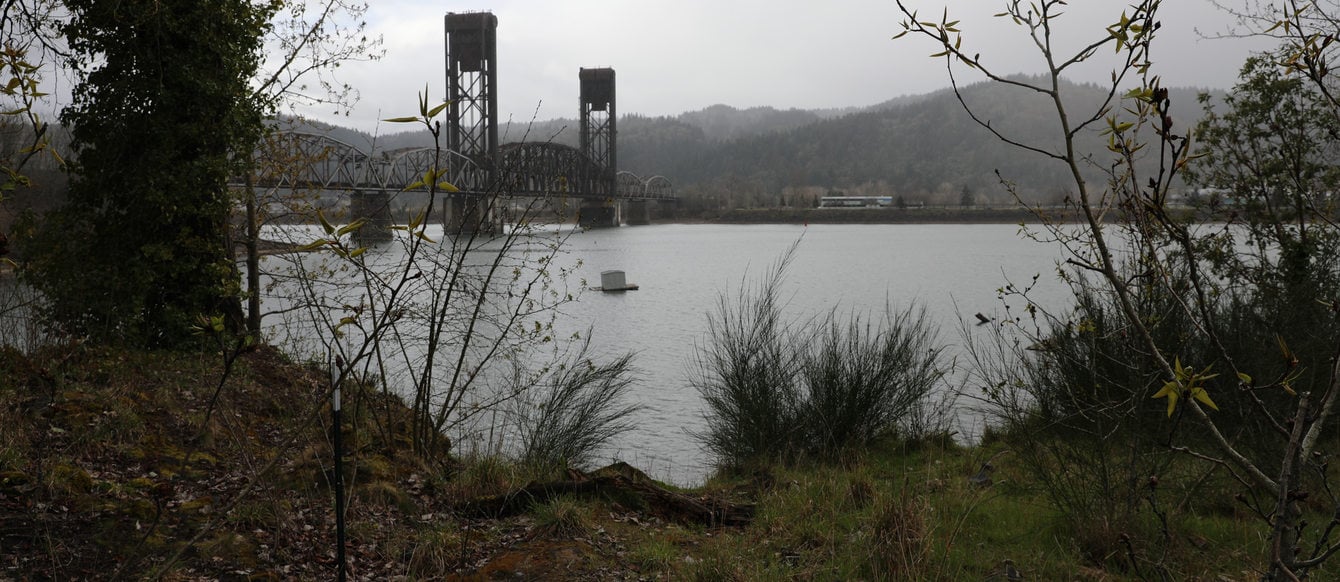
{"points": [[465, 214], [598, 214], [639, 212], [375, 208]]}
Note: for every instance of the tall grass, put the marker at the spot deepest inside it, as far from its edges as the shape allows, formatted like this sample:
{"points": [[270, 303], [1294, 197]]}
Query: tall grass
{"points": [[579, 408], [861, 381], [776, 389], [747, 375]]}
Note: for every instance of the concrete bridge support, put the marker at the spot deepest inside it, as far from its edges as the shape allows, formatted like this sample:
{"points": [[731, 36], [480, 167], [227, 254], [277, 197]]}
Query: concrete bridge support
{"points": [[375, 208], [467, 214], [598, 214], [639, 212]]}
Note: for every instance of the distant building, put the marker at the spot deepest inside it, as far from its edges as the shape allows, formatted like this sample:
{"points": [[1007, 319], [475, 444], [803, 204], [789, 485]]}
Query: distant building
{"points": [[855, 201]]}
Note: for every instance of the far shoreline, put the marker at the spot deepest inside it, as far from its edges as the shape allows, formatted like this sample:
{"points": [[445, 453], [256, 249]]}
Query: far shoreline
{"points": [[918, 215]]}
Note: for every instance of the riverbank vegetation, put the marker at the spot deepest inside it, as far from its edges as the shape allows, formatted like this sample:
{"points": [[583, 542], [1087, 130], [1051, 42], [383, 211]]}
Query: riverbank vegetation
{"points": [[1175, 421], [119, 464], [1209, 319]]}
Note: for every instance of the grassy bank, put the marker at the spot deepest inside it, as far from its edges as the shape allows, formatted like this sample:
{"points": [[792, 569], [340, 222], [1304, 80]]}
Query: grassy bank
{"points": [[122, 465]]}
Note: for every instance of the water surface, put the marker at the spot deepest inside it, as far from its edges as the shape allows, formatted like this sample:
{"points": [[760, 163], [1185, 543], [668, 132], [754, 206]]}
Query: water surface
{"points": [[683, 269]]}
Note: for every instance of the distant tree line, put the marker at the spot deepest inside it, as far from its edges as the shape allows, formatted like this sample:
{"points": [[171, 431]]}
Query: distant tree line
{"points": [[924, 149]]}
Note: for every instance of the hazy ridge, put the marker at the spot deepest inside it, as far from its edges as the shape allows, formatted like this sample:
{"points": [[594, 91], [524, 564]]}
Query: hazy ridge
{"points": [[920, 146]]}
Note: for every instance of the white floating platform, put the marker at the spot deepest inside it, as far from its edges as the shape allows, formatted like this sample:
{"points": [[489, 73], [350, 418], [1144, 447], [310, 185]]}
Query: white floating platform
{"points": [[613, 281]]}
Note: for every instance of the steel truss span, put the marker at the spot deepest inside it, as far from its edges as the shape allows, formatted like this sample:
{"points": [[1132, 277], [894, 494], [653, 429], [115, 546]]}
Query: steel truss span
{"points": [[303, 160]]}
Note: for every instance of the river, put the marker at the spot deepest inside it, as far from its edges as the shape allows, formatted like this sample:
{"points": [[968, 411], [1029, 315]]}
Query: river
{"points": [[682, 270]]}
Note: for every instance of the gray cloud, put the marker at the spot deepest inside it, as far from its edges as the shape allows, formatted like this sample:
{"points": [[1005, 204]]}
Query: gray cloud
{"points": [[673, 56]]}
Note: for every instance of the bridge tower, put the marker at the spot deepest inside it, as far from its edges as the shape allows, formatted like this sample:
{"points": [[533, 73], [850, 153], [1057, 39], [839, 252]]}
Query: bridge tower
{"points": [[472, 124], [598, 120]]}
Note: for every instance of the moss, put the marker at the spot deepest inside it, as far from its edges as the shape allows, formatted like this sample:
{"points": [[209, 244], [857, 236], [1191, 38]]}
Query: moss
{"points": [[139, 509], [127, 528], [264, 514], [169, 460], [234, 549], [375, 468], [13, 482], [68, 480], [140, 483], [201, 505], [384, 493]]}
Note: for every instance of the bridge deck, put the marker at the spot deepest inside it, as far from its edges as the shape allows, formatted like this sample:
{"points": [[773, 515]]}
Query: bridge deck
{"points": [[301, 160]]}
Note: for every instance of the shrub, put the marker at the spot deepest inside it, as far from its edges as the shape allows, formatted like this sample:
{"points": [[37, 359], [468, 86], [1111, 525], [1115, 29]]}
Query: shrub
{"points": [[861, 381], [578, 410], [1073, 399], [747, 376], [821, 387]]}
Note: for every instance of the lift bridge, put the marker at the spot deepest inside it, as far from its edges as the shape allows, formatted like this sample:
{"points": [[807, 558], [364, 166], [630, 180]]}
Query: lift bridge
{"points": [[483, 170]]}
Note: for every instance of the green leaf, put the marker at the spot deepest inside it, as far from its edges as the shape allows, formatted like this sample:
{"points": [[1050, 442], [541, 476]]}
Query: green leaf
{"points": [[325, 224], [352, 226], [313, 246], [401, 120], [1245, 378], [1204, 397], [1169, 391], [1284, 347], [436, 110], [447, 187]]}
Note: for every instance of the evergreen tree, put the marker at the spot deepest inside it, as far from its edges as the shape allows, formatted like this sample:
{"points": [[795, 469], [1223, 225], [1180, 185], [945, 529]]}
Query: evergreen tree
{"points": [[140, 252]]}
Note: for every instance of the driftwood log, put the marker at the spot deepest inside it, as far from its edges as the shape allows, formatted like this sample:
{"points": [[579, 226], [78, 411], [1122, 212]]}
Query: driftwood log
{"points": [[615, 481]]}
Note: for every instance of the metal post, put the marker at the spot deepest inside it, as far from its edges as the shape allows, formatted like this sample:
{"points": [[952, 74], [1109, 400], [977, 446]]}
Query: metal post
{"points": [[339, 468]]}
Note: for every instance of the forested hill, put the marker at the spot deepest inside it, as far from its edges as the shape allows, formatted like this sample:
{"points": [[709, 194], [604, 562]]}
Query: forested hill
{"points": [[922, 147]]}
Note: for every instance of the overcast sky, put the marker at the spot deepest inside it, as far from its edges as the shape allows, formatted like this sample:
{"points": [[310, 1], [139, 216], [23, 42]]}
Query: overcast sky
{"points": [[672, 56]]}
